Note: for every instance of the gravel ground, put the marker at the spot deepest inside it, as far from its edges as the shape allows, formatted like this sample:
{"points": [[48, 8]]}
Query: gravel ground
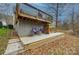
{"points": [[67, 45]]}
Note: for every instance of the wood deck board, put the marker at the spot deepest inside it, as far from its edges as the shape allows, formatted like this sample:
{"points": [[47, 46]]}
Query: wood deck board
{"points": [[31, 17]]}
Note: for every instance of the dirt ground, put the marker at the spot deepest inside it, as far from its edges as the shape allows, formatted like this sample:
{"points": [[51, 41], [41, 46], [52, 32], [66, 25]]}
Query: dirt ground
{"points": [[66, 45]]}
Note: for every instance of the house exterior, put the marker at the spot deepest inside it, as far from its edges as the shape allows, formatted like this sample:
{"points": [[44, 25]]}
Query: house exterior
{"points": [[28, 17], [6, 19]]}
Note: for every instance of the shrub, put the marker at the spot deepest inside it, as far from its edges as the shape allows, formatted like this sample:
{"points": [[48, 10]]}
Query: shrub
{"points": [[1, 25], [10, 26]]}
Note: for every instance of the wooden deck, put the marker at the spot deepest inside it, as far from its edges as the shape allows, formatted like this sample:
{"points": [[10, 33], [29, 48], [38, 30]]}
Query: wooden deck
{"points": [[32, 17], [21, 14]]}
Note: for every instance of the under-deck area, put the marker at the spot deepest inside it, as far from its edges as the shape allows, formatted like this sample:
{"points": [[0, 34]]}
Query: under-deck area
{"points": [[26, 22]]}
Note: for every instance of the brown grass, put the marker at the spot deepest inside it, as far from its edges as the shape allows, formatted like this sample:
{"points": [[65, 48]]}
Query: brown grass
{"points": [[67, 45]]}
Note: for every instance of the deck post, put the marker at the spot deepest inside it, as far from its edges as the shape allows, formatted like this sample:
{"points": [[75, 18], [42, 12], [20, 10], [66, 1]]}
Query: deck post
{"points": [[47, 28]]}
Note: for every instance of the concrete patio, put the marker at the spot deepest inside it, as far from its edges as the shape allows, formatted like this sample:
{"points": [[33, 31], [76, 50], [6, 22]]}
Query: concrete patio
{"points": [[31, 39], [16, 45]]}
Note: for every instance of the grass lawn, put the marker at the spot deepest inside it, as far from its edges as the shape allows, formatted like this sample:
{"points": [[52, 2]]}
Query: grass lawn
{"points": [[3, 39]]}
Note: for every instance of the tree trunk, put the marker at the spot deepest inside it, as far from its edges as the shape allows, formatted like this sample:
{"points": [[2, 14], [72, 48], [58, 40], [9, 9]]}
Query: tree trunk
{"points": [[57, 16]]}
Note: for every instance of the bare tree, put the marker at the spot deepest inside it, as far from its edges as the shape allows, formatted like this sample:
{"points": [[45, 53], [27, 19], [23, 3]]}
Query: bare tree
{"points": [[58, 9], [72, 19], [6, 11]]}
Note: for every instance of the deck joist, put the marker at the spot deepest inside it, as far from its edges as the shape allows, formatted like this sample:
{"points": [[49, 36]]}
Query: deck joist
{"points": [[32, 17]]}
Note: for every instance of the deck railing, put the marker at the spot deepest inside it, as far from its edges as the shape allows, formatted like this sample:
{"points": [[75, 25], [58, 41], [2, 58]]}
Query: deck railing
{"points": [[34, 12]]}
